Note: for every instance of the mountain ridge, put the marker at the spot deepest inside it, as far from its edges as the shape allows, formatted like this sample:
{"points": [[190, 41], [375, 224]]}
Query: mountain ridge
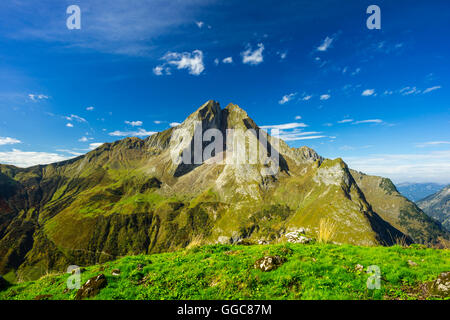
{"points": [[437, 206], [132, 196]]}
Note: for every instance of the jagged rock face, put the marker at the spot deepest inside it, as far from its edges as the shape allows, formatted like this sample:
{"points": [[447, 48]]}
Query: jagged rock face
{"points": [[136, 196], [437, 206]]}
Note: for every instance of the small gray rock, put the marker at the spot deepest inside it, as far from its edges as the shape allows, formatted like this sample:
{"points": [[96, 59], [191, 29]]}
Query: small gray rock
{"points": [[269, 263]]}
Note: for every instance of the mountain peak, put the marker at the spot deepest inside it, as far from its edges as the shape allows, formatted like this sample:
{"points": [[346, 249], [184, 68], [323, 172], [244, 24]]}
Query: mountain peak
{"points": [[208, 110]]}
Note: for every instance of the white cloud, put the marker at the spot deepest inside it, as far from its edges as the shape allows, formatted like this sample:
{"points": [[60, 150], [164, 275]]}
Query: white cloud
{"points": [[406, 91], [432, 143], [357, 70], [134, 123], [216, 61], [8, 140], [29, 158], [74, 117], [286, 98], [431, 89], [174, 124], [36, 97], [227, 60], [90, 108], [283, 55], [199, 24], [140, 133], [325, 97], [307, 97], [186, 60], [298, 117], [84, 139], [368, 121], [157, 122], [345, 121], [299, 135], [414, 167], [326, 43], [95, 145], [70, 152], [158, 70], [285, 126], [253, 57], [69, 125], [368, 92]]}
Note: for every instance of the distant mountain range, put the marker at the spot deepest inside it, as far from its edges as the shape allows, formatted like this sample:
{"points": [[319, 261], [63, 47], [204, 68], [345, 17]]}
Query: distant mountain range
{"points": [[135, 196], [437, 206], [418, 191]]}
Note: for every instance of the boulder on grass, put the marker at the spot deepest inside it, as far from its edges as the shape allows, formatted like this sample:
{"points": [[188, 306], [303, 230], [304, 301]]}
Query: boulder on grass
{"points": [[269, 263], [440, 287], [92, 287]]}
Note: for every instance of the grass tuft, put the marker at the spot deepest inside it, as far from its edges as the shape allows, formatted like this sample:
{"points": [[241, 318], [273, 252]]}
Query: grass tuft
{"points": [[327, 230]]}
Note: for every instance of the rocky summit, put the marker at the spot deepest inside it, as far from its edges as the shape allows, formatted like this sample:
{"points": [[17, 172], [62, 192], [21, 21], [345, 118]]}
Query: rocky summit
{"points": [[172, 190]]}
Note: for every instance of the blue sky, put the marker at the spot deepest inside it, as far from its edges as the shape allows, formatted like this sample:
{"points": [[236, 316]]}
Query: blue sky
{"points": [[380, 99]]}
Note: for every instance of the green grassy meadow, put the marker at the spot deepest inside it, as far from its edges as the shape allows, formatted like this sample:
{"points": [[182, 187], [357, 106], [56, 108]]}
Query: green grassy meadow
{"points": [[311, 271]]}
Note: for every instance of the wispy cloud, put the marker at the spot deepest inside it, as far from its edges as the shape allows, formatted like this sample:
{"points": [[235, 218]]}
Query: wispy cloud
{"points": [[326, 43], [200, 24], [134, 123], [368, 92], [253, 57], [140, 133], [368, 121], [286, 98], [74, 153], [37, 97], [95, 145], [74, 117], [413, 167], [136, 23], [90, 108], [296, 135], [284, 126], [29, 158], [325, 97], [432, 144], [84, 139], [306, 97], [406, 91], [174, 124], [431, 89], [345, 121], [8, 140]]}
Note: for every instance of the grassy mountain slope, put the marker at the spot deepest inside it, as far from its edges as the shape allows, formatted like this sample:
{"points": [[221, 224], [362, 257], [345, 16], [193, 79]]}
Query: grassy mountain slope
{"points": [[130, 197], [314, 271], [398, 211], [437, 206]]}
